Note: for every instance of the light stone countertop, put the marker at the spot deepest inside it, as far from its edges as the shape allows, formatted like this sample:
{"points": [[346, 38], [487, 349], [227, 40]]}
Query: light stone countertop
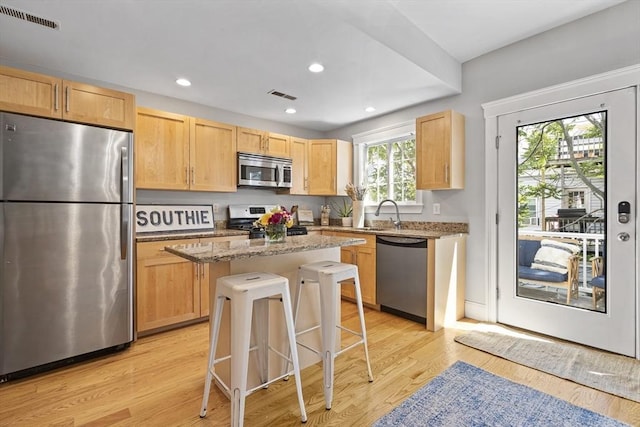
{"points": [[422, 230], [425, 234], [240, 249], [221, 232]]}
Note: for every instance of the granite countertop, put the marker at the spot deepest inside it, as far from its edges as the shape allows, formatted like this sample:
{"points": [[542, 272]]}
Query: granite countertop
{"points": [[222, 232], [247, 248], [425, 234], [427, 230]]}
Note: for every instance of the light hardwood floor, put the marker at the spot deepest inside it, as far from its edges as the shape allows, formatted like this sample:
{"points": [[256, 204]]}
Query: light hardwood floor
{"points": [[159, 382]]}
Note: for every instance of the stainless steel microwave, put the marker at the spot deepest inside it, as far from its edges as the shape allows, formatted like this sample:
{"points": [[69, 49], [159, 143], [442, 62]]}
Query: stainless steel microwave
{"points": [[257, 170]]}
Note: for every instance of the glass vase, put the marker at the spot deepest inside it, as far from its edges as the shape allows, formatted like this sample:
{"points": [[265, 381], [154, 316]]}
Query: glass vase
{"points": [[275, 233]]}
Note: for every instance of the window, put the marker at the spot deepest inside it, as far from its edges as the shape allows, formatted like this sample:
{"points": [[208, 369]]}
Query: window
{"points": [[575, 199], [385, 162], [390, 167]]}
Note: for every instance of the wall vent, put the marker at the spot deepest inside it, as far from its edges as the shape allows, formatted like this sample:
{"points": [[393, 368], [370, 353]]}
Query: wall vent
{"points": [[26, 16], [282, 95]]}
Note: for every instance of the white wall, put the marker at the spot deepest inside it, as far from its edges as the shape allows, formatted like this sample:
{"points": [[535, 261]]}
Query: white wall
{"points": [[597, 43]]}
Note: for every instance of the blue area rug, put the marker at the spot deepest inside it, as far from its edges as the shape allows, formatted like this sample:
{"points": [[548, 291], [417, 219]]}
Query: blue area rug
{"points": [[465, 395]]}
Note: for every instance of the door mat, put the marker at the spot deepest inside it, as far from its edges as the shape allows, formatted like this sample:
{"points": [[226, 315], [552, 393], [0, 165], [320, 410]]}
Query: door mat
{"points": [[604, 371]]}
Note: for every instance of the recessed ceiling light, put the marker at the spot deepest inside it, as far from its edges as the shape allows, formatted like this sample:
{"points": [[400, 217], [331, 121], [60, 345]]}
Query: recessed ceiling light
{"points": [[316, 68], [290, 111], [183, 82], [369, 109]]}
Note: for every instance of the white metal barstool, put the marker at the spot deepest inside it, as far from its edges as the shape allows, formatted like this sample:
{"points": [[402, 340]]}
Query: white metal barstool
{"points": [[328, 274], [243, 290]]}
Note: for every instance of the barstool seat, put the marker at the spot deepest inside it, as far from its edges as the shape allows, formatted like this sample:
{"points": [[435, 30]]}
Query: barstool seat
{"points": [[329, 274], [247, 293]]}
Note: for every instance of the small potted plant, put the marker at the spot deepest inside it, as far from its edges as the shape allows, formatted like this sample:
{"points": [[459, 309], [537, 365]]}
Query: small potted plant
{"points": [[344, 212]]}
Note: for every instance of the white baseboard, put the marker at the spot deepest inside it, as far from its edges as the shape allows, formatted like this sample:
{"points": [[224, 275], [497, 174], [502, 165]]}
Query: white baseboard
{"points": [[476, 311]]}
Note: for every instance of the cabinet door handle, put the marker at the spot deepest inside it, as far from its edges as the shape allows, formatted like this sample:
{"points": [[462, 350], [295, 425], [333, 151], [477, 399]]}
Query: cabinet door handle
{"points": [[56, 102], [186, 175], [67, 99], [306, 183], [193, 175]]}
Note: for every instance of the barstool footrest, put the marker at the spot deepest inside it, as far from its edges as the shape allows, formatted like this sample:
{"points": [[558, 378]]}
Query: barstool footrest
{"points": [[306, 331], [319, 353]]}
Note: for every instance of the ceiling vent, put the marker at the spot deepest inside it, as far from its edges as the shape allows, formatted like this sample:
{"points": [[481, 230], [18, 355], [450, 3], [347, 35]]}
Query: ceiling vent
{"points": [[282, 95], [26, 16]]}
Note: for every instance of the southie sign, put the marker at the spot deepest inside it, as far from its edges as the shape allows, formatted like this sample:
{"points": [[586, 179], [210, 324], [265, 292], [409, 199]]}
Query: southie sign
{"points": [[165, 218]]}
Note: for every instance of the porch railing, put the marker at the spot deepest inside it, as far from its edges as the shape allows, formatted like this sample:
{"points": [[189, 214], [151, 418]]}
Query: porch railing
{"points": [[589, 242]]}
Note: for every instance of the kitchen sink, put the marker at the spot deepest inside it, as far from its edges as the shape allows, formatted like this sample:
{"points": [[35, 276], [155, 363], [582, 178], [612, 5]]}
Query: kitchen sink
{"points": [[373, 228]]}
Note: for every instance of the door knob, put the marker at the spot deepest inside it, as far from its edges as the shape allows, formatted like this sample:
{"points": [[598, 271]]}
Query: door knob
{"points": [[623, 237]]}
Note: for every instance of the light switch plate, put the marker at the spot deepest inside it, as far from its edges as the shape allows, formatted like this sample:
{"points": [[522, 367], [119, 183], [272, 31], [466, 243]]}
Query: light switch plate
{"points": [[436, 208]]}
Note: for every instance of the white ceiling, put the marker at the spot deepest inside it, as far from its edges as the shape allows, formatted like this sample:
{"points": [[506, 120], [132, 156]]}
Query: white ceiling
{"points": [[388, 54]]}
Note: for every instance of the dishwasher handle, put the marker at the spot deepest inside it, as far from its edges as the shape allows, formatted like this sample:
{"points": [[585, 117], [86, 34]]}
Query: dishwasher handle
{"points": [[405, 242]]}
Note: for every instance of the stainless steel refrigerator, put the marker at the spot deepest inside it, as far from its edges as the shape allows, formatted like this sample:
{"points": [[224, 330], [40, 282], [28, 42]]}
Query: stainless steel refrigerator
{"points": [[66, 242]]}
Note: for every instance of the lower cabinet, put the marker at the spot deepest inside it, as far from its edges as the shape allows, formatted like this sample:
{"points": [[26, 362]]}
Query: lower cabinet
{"points": [[364, 256], [171, 290]]}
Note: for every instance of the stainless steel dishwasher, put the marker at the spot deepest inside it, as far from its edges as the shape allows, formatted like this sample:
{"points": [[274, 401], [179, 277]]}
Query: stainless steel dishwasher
{"points": [[401, 276]]}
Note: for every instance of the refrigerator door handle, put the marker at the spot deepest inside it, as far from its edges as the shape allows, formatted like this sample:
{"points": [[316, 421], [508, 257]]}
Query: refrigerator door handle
{"points": [[124, 230], [124, 173]]}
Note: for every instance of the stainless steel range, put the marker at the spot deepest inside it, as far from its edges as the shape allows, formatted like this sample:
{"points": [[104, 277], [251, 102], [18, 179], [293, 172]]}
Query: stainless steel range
{"points": [[242, 217]]}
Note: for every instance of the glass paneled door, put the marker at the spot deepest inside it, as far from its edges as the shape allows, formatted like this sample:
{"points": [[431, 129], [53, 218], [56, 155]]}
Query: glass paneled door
{"points": [[566, 268]]}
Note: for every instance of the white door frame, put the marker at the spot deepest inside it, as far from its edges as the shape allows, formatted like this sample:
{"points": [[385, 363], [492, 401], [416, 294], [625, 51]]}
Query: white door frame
{"points": [[600, 83]]}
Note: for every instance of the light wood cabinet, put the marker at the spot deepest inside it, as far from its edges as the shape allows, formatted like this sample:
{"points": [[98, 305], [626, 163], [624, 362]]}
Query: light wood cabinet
{"points": [[30, 93], [263, 142], [330, 166], [98, 106], [171, 290], [167, 286], [161, 150], [440, 141], [212, 156], [364, 256], [299, 166], [176, 152], [46, 96]]}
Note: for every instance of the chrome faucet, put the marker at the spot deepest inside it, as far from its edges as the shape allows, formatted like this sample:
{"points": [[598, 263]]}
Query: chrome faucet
{"points": [[396, 223]]}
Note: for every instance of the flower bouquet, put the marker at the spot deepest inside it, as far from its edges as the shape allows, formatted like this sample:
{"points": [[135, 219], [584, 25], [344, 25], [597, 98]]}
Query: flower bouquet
{"points": [[275, 224]]}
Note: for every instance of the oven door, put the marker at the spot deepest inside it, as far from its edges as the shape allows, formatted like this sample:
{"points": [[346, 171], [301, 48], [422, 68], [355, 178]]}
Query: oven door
{"points": [[254, 171]]}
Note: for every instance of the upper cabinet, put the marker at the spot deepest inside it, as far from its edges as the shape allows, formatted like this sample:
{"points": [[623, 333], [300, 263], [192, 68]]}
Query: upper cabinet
{"points": [[262, 142], [161, 150], [41, 95], [212, 156], [330, 167], [176, 152], [299, 166], [98, 106], [440, 151]]}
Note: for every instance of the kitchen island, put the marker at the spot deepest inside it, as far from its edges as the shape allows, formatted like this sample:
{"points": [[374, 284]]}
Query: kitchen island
{"points": [[250, 255]]}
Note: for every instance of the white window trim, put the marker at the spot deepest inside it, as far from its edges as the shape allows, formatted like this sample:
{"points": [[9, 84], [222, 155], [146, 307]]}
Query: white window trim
{"points": [[360, 141]]}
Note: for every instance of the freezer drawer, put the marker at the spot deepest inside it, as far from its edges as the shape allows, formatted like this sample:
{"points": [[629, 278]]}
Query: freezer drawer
{"points": [[65, 290]]}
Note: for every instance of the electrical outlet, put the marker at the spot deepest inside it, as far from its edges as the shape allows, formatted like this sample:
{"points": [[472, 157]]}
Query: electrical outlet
{"points": [[216, 208], [436, 208]]}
